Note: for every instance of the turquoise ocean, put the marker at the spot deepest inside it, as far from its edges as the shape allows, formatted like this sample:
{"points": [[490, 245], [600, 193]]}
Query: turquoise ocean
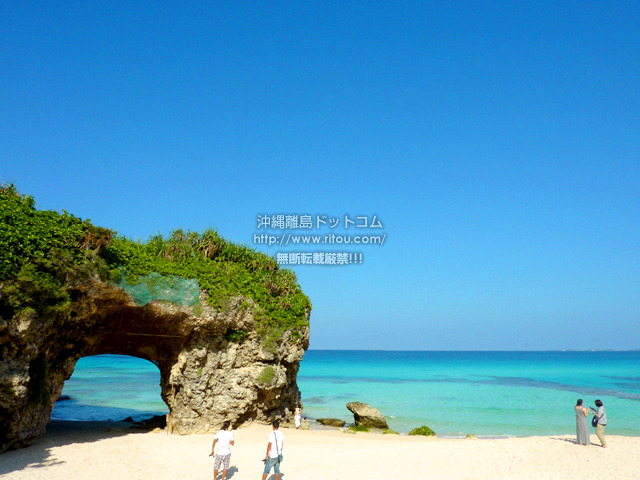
{"points": [[488, 394]]}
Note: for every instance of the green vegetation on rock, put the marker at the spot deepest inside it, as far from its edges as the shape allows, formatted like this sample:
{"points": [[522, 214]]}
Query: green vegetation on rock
{"points": [[235, 335], [224, 270], [43, 253], [359, 428], [267, 375], [423, 430], [388, 431]]}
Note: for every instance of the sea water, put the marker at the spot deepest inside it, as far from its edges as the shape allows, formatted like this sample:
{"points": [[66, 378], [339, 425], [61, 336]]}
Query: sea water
{"points": [[488, 394], [482, 393], [111, 388]]}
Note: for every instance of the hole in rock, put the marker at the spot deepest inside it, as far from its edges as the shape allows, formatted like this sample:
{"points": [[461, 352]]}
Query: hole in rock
{"points": [[111, 388]]}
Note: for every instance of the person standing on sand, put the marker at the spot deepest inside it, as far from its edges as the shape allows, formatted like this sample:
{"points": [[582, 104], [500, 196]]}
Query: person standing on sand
{"points": [[224, 439], [582, 428], [601, 415], [274, 452], [297, 415]]}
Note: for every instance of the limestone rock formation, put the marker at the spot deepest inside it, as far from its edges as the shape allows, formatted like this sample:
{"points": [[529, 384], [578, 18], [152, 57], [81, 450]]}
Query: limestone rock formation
{"points": [[226, 326], [331, 422], [367, 416], [205, 378]]}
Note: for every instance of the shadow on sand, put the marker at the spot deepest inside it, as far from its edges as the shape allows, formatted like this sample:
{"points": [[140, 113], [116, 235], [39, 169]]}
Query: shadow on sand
{"points": [[230, 473], [573, 441], [60, 433]]}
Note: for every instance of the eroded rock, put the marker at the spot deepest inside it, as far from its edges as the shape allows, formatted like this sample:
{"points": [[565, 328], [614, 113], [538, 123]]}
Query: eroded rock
{"points": [[331, 422], [205, 378], [367, 416]]}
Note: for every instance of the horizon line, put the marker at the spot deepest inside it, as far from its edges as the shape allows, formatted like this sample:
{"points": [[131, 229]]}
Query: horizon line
{"points": [[453, 350]]}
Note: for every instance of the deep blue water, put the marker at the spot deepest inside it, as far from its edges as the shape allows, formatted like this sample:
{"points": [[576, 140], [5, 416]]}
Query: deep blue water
{"points": [[454, 393]]}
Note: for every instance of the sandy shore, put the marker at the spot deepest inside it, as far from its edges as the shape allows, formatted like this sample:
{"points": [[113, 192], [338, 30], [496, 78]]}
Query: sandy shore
{"points": [[83, 451]]}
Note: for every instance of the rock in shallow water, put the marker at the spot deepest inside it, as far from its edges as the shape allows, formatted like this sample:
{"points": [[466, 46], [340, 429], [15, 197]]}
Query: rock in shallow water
{"points": [[331, 422], [367, 416]]}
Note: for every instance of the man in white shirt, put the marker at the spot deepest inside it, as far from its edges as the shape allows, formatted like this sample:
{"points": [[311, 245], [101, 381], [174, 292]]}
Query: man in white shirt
{"points": [[274, 452], [224, 439]]}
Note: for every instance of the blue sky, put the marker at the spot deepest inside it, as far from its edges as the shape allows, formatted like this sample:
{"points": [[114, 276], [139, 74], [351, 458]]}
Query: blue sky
{"points": [[497, 143]]}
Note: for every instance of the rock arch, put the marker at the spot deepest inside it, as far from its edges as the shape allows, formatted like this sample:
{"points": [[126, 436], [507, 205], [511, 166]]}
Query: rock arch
{"points": [[205, 376]]}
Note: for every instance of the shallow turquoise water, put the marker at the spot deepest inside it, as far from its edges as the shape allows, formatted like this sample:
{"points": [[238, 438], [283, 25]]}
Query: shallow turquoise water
{"points": [[111, 387], [454, 393], [484, 393]]}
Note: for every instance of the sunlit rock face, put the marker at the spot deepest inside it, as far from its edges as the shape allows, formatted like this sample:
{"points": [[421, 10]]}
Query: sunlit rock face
{"points": [[207, 375]]}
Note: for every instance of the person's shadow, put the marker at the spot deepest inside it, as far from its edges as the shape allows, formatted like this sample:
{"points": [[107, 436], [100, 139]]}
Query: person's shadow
{"points": [[568, 440], [273, 476], [230, 472]]}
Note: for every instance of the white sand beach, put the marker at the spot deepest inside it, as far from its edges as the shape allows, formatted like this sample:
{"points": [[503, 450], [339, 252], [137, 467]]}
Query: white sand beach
{"points": [[95, 450]]}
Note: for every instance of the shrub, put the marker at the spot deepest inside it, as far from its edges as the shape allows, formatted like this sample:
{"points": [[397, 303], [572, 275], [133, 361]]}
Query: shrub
{"points": [[359, 428], [423, 430], [267, 375], [41, 252], [27, 234], [235, 335]]}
